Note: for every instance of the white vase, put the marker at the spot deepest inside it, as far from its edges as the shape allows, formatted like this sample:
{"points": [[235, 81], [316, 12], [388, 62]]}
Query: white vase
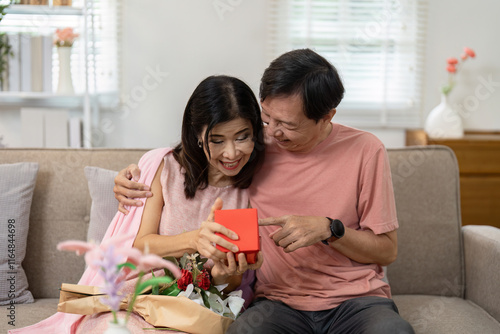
{"points": [[119, 328], [65, 84], [444, 121]]}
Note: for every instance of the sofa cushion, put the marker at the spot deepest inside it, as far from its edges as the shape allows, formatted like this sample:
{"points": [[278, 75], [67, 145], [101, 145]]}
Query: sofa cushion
{"points": [[427, 194], [439, 314], [104, 204], [29, 314], [17, 182]]}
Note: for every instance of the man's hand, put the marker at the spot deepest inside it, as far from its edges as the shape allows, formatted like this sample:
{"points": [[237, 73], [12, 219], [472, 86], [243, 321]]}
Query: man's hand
{"points": [[297, 231], [127, 188]]}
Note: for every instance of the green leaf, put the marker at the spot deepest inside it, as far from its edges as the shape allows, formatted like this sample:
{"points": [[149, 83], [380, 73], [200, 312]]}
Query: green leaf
{"points": [[184, 260], [152, 282], [172, 290], [205, 298], [128, 265], [213, 290]]}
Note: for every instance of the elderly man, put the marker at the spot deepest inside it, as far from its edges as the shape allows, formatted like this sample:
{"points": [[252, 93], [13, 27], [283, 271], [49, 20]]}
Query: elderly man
{"points": [[326, 207]]}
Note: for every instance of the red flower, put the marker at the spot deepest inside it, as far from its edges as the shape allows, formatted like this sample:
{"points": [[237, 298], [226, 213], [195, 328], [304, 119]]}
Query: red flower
{"points": [[452, 61], [203, 280], [469, 52], [185, 280], [451, 68]]}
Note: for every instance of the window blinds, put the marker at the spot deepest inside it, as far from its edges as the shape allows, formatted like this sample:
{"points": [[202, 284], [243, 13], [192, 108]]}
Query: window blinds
{"points": [[376, 45]]}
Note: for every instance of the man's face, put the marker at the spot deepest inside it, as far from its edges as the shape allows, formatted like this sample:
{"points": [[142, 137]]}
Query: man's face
{"points": [[285, 122]]}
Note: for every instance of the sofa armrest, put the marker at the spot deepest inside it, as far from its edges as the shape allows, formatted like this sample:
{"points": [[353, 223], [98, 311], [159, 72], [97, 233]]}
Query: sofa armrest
{"points": [[482, 267]]}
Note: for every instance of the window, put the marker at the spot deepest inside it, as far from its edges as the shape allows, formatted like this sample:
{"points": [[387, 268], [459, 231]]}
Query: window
{"points": [[376, 45], [95, 51]]}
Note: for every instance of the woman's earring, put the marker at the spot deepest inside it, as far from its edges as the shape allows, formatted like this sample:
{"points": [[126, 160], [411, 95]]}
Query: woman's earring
{"points": [[199, 143]]}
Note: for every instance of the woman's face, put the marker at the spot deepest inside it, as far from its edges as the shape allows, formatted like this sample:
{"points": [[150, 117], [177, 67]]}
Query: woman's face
{"points": [[231, 144]]}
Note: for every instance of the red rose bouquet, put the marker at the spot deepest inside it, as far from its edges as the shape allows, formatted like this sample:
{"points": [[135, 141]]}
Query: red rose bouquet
{"points": [[195, 284]]}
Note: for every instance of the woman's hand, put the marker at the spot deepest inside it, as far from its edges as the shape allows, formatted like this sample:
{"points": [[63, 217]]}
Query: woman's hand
{"points": [[223, 270], [127, 188], [207, 239]]}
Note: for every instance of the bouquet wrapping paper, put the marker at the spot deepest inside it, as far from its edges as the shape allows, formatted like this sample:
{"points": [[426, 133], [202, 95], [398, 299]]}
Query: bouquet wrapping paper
{"points": [[161, 311]]}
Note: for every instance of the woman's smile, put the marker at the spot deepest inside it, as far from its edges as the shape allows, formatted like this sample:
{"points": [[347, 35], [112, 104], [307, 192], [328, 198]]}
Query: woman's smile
{"points": [[231, 165]]}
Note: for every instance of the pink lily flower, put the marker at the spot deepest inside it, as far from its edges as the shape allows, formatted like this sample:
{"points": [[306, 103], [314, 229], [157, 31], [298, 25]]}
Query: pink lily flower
{"points": [[94, 254], [80, 247], [152, 261]]}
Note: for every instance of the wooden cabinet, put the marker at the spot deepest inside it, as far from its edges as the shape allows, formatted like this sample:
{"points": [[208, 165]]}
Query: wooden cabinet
{"points": [[478, 155]]}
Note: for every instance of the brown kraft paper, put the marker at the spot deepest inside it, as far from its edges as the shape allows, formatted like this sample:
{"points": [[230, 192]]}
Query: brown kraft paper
{"points": [[160, 311]]}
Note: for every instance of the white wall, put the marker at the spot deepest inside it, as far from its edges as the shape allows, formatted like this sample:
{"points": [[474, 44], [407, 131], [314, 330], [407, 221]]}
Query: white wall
{"points": [[189, 40]]}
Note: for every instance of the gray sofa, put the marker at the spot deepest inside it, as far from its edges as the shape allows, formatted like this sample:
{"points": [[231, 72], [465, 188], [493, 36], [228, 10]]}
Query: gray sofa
{"points": [[446, 278]]}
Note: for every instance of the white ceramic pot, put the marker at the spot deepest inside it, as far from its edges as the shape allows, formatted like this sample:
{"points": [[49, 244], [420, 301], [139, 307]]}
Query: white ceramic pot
{"points": [[444, 121], [119, 328], [65, 84]]}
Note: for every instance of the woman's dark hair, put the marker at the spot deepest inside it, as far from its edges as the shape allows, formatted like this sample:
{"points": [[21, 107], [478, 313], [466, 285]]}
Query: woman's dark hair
{"points": [[308, 74], [217, 99]]}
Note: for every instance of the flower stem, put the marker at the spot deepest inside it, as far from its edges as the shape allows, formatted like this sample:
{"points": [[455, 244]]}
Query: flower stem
{"points": [[131, 304]]}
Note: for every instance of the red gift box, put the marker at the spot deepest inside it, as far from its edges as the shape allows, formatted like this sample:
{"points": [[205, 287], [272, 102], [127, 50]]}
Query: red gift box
{"points": [[244, 223]]}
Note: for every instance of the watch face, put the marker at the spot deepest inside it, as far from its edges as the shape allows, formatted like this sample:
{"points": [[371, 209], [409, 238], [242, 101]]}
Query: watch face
{"points": [[337, 228]]}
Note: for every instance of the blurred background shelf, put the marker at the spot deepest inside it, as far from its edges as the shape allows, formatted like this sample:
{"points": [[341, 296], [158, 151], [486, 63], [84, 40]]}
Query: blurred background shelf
{"points": [[43, 10], [44, 100]]}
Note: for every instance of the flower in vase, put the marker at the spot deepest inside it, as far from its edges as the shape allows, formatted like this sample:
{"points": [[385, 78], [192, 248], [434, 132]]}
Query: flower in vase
{"points": [[113, 262], [113, 278], [65, 37], [452, 66]]}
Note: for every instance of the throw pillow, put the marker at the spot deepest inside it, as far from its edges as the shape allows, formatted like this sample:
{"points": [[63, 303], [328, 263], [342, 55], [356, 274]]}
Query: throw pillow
{"points": [[104, 204], [17, 182]]}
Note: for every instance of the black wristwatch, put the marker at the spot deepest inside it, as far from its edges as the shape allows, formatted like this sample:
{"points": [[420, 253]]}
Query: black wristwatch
{"points": [[337, 229]]}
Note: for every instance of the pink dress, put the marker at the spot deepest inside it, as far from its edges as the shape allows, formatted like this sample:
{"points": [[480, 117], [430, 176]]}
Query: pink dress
{"points": [[179, 215]]}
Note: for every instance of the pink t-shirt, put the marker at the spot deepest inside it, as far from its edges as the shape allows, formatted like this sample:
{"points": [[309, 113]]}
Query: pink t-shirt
{"points": [[346, 177]]}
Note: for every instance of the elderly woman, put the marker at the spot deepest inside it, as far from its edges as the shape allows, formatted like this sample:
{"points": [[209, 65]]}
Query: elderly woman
{"points": [[220, 149]]}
